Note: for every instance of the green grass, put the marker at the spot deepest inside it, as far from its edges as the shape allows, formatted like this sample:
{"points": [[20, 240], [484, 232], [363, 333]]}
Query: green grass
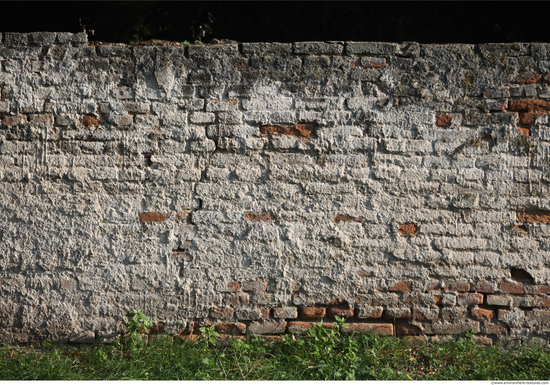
{"points": [[323, 354]]}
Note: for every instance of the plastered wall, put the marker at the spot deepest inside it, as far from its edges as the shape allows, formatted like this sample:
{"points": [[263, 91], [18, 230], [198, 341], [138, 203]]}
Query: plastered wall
{"points": [[264, 186]]}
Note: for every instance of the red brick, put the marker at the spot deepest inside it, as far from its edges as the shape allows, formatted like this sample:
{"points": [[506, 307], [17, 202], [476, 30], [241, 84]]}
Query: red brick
{"points": [[369, 328], [538, 290], [401, 286], [512, 287], [529, 117], [438, 298], [529, 77], [343, 312], [153, 216], [407, 329], [443, 120], [336, 301], [347, 218], [230, 328], [425, 314], [541, 302], [484, 287], [312, 313], [458, 286], [253, 217], [524, 131], [482, 314], [528, 105], [397, 313], [469, 299], [534, 216], [300, 129], [89, 120], [408, 228]]}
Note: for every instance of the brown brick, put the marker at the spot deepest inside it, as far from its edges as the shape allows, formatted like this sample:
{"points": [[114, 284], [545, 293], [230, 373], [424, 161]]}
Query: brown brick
{"points": [[425, 314], [230, 328], [265, 313], [285, 312], [238, 299], [453, 314], [534, 216], [368, 312], [529, 105], [458, 286], [253, 217], [407, 329], [529, 117], [153, 216], [254, 286], [469, 299], [528, 78], [312, 313], [300, 129], [482, 314], [443, 120], [524, 131], [369, 328], [541, 302], [397, 313], [336, 301], [221, 312], [485, 287], [538, 290], [90, 120], [408, 228], [14, 120], [401, 286], [347, 218], [512, 287], [434, 285], [343, 312]]}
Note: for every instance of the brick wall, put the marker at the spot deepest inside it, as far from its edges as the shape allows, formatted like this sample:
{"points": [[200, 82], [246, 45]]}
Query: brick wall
{"points": [[262, 187]]}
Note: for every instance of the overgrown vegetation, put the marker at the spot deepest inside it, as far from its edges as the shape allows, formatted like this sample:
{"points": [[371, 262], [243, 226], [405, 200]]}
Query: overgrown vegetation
{"points": [[322, 354]]}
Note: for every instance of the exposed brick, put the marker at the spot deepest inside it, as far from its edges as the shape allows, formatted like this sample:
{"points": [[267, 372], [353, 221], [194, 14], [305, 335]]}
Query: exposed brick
{"points": [[300, 129], [230, 328], [153, 216], [285, 312], [529, 105], [337, 301], [512, 287], [343, 312], [254, 286], [369, 328], [407, 329], [312, 313], [408, 228], [14, 120], [401, 286], [498, 300], [397, 313], [300, 327], [425, 314], [385, 299], [458, 286], [248, 314], [541, 302], [90, 120], [443, 120], [484, 287], [347, 218], [535, 290], [222, 312], [453, 314], [253, 217], [482, 314], [497, 329], [469, 299], [234, 286], [529, 117], [238, 299], [434, 285], [534, 216], [524, 131], [528, 78], [368, 312], [182, 216], [265, 313]]}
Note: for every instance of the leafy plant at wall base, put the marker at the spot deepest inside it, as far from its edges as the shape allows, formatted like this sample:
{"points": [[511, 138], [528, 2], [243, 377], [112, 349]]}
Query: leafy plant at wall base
{"points": [[209, 334], [138, 324]]}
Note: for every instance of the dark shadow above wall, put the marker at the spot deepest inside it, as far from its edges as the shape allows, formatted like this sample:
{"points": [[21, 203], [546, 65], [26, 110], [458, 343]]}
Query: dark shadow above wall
{"points": [[423, 22]]}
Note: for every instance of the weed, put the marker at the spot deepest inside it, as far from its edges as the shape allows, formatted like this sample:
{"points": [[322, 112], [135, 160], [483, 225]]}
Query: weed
{"points": [[209, 335]]}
